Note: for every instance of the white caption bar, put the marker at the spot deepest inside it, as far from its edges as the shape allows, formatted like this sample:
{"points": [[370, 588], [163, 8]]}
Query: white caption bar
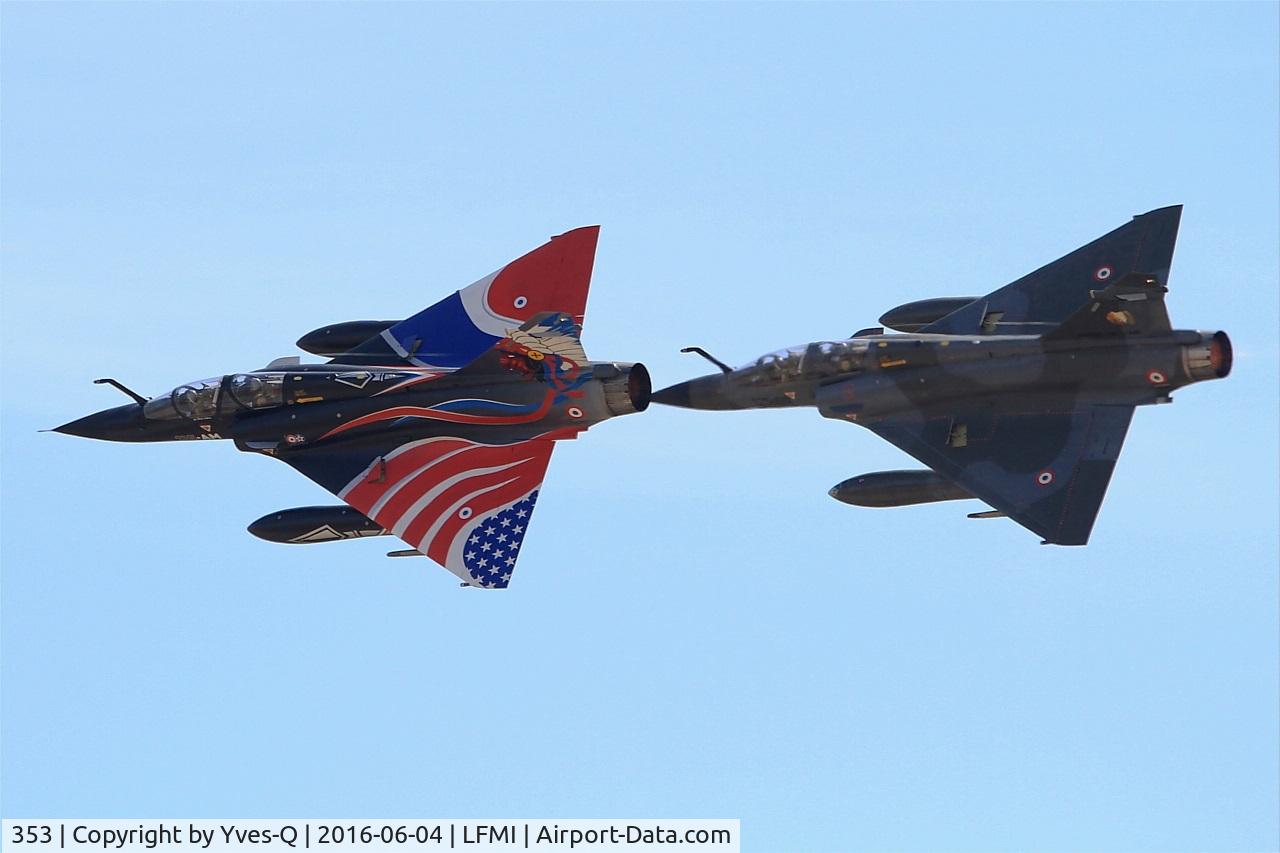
{"points": [[334, 836]]}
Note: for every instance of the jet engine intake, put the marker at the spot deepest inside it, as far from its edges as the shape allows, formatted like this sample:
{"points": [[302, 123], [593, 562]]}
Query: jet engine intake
{"points": [[1208, 359], [307, 524], [897, 488], [913, 316], [627, 387], [340, 338]]}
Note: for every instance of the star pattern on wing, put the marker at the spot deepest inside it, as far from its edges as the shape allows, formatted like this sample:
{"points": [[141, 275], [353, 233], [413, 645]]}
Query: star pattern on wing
{"points": [[495, 544]]}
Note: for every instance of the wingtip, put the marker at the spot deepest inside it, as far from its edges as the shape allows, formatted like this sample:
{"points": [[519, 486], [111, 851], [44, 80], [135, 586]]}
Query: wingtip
{"points": [[586, 232], [1167, 210]]}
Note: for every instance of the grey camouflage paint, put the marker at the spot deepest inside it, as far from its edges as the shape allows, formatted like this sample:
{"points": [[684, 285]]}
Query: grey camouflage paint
{"points": [[1022, 397]]}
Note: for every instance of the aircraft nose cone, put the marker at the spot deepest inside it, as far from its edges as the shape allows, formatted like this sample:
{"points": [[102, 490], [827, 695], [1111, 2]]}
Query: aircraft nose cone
{"points": [[705, 392], [676, 395], [123, 423]]}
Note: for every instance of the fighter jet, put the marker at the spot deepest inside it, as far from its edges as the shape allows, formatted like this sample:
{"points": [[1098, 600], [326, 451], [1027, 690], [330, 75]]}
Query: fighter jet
{"points": [[436, 429], [1020, 398]]}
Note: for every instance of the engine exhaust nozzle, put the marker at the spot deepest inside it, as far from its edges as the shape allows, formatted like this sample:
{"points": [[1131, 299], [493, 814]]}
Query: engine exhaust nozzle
{"points": [[1209, 359], [628, 390]]}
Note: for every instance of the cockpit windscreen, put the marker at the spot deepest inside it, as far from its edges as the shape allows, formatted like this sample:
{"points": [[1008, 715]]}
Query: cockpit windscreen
{"points": [[201, 400], [807, 362]]}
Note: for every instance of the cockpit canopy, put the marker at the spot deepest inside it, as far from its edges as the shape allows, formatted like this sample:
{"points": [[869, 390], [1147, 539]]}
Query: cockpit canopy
{"points": [[207, 398], [257, 390], [807, 362]]}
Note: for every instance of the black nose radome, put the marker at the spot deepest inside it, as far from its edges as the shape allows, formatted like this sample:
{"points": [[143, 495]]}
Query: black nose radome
{"points": [[123, 423], [676, 395], [705, 392]]}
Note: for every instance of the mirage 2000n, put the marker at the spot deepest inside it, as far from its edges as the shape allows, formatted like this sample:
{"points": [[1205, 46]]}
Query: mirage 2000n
{"points": [[436, 429], [1020, 398]]}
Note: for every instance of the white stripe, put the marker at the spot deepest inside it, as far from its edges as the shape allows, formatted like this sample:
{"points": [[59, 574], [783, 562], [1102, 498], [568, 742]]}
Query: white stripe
{"points": [[363, 475], [405, 448], [498, 404], [475, 301], [445, 516], [423, 376], [360, 478], [401, 351], [421, 503], [390, 493], [393, 343]]}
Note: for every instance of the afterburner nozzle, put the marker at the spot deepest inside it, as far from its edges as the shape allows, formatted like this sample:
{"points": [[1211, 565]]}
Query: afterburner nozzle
{"points": [[627, 388], [1209, 359]]}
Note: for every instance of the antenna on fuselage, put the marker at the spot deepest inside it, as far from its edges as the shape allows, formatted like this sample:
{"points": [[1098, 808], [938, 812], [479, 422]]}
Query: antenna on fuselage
{"points": [[709, 357], [138, 398]]}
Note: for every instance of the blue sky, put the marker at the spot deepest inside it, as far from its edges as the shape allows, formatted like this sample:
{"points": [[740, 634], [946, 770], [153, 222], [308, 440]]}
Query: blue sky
{"points": [[696, 628]]}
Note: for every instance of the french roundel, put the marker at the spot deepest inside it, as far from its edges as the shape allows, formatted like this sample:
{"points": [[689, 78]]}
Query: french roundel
{"points": [[1044, 478], [1102, 273], [1155, 377], [553, 277]]}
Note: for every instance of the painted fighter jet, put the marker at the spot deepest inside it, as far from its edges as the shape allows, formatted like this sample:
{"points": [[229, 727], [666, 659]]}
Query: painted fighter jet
{"points": [[1020, 398], [436, 429]]}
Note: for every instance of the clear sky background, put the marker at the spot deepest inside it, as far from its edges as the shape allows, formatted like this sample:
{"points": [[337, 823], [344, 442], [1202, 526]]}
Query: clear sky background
{"points": [[696, 628]]}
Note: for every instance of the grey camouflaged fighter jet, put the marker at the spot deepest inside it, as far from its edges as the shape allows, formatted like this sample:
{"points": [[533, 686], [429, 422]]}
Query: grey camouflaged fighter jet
{"points": [[1020, 398], [436, 429]]}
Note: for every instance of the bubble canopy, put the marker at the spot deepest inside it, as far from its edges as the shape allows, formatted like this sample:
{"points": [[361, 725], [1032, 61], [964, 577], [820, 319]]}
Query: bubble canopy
{"points": [[206, 398], [805, 362]]}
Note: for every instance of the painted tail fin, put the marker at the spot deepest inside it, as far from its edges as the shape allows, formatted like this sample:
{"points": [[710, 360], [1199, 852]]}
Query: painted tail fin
{"points": [[556, 277]]}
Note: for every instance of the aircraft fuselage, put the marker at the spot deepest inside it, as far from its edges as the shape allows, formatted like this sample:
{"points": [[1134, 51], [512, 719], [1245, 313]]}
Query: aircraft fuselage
{"points": [[277, 410], [866, 378]]}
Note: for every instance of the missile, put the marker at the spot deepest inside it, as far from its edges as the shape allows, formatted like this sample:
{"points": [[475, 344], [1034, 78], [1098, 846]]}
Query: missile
{"points": [[897, 488], [306, 524]]}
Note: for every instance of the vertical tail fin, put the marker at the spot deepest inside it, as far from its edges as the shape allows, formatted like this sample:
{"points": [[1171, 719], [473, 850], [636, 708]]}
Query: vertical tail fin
{"points": [[456, 330]]}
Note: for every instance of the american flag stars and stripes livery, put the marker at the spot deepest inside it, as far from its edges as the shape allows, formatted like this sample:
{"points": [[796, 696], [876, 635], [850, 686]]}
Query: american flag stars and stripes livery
{"points": [[436, 493], [437, 428], [493, 546]]}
